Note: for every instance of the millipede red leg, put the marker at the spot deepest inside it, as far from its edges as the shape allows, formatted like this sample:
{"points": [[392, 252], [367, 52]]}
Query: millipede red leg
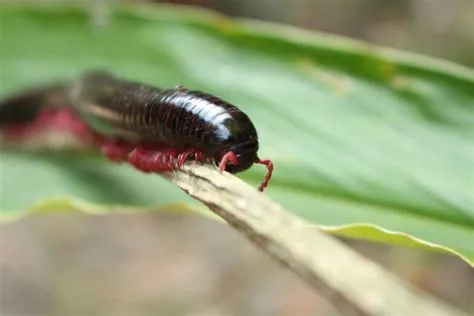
{"points": [[229, 157], [116, 151], [149, 160], [265, 181], [160, 160]]}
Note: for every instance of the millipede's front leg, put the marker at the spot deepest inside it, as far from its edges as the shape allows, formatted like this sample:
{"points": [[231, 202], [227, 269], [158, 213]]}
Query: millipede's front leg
{"points": [[229, 157]]}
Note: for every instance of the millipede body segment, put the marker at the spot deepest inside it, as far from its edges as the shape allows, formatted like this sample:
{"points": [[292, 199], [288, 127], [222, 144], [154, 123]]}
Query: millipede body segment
{"points": [[153, 129], [24, 107]]}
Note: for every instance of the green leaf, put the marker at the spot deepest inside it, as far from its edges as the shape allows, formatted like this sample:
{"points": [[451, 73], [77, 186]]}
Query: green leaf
{"points": [[367, 142]]}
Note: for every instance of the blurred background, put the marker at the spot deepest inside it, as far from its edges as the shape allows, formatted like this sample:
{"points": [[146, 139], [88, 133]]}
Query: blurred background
{"points": [[185, 264]]}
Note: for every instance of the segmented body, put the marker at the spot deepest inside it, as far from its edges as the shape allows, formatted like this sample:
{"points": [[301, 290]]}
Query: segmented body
{"points": [[175, 118], [160, 129]]}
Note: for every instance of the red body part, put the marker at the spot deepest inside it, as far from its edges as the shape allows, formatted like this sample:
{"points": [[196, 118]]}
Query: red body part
{"points": [[48, 120], [148, 159], [158, 159]]}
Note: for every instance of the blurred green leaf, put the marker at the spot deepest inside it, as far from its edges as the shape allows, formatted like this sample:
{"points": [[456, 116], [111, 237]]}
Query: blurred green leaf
{"points": [[375, 139]]}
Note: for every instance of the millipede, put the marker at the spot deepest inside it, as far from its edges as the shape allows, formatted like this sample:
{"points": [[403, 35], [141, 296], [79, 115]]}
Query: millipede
{"points": [[153, 129]]}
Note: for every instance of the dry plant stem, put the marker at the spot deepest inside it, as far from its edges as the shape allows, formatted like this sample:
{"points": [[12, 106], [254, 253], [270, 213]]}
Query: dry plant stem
{"points": [[351, 283]]}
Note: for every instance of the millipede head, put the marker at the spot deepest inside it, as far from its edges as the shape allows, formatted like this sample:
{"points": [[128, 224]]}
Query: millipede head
{"points": [[269, 165], [239, 157], [231, 158]]}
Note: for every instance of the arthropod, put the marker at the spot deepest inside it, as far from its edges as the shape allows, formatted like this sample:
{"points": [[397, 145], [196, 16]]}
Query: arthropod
{"points": [[158, 130]]}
